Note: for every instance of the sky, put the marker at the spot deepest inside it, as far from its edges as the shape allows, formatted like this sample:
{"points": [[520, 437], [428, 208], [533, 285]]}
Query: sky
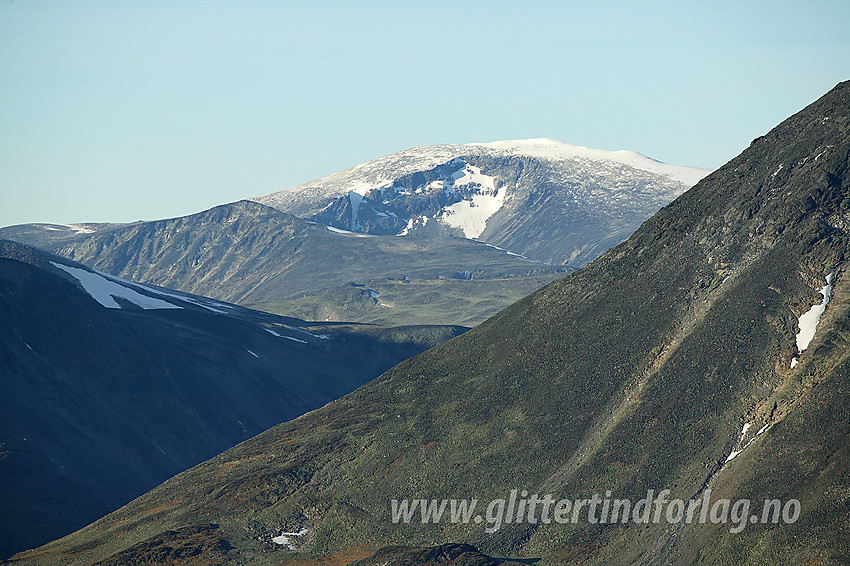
{"points": [[137, 110]]}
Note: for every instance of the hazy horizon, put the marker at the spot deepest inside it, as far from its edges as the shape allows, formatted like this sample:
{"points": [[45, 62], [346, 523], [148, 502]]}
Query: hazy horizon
{"points": [[143, 111]]}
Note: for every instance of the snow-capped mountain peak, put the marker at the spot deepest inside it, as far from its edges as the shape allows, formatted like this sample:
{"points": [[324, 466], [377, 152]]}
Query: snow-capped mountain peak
{"points": [[540, 198]]}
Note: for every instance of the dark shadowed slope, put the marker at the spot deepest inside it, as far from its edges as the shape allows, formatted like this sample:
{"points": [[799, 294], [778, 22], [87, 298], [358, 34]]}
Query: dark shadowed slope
{"points": [[98, 405], [637, 372]]}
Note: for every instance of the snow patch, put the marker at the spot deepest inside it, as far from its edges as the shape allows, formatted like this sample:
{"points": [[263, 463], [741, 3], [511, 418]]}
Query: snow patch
{"points": [[80, 229], [437, 186], [338, 230], [504, 250], [197, 301], [411, 224], [77, 228], [471, 216], [809, 320], [363, 188], [346, 232], [319, 336], [744, 430], [470, 175], [105, 289], [732, 455], [272, 332], [356, 199], [289, 539]]}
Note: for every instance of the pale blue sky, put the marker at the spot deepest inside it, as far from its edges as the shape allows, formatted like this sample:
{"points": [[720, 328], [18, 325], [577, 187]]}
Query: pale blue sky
{"points": [[126, 110]]}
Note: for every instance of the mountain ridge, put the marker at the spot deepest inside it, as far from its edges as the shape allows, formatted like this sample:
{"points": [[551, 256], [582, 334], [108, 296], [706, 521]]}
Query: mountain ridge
{"points": [[254, 255]]}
